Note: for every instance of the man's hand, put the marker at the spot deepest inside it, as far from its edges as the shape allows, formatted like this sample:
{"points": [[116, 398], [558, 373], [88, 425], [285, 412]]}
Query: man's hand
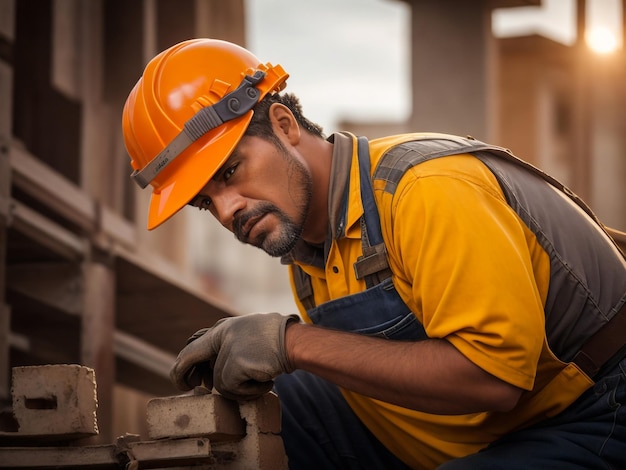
{"points": [[240, 356]]}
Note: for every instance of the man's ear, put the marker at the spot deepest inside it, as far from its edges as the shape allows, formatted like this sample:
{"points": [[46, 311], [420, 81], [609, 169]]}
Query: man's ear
{"points": [[284, 123]]}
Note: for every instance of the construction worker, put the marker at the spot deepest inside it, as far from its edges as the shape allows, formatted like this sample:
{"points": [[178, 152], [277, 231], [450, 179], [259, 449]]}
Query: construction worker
{"points": [[459, 309]]}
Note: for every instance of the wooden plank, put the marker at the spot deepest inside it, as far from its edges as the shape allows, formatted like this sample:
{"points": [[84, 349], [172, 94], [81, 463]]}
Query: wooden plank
{"points": [[68, 200], [160, 269], [143, 354], [514, 3], [6, 92], [45, 232], [98, 324], [5, 331], [113, 227], [5, 311], [59, 457], [166, 453], [58, 285], [7, 19], [65, 73], [52, 189], [159, 304]]}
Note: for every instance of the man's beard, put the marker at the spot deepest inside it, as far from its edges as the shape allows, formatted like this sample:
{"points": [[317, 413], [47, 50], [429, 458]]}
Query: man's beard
{"points": [[276, 245], [289, 230]]}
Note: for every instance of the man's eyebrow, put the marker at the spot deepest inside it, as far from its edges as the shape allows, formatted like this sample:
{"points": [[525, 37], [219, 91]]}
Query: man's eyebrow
{"points": [[233, 155]]}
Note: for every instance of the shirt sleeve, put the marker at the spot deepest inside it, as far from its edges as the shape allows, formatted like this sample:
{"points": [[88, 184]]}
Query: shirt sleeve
{"points": [[464, 254]]}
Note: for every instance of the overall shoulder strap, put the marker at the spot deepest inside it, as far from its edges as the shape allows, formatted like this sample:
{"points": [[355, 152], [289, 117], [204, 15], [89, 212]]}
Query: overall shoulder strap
{"points": [[303, 286], [400, 158], [373, 265]]}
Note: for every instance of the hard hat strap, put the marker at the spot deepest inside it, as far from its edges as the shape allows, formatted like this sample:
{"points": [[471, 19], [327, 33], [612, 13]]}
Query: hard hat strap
{"points": [[232, 105]]}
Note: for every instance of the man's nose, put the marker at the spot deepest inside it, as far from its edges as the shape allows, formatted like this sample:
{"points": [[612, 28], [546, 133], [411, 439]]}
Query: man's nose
{"points": [[226, 203]]}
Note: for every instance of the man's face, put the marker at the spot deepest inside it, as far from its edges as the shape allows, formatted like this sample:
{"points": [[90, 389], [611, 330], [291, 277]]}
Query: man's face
{"points": [[262, 194]]}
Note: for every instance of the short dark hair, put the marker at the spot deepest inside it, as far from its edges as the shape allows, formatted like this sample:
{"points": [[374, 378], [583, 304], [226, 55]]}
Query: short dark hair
{"points": [[260, 125]]}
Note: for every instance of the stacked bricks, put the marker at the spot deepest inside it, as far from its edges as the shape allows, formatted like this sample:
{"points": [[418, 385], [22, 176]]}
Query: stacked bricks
{"points": [[59, 402], [246, 434]]}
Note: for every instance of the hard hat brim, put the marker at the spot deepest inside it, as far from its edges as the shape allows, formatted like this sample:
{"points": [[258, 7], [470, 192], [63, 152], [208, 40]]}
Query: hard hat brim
{"points": [[208, 154]]}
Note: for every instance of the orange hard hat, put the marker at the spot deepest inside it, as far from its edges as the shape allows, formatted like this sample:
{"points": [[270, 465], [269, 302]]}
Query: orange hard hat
{"points": [[186, 114]]}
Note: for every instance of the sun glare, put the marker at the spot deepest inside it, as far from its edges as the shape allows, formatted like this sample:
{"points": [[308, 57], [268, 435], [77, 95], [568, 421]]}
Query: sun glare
{"points": [[602, 41]]}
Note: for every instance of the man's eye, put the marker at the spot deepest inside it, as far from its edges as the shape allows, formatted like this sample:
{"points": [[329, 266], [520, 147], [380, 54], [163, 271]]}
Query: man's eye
{"points": [[204, 204], [229, 172]]}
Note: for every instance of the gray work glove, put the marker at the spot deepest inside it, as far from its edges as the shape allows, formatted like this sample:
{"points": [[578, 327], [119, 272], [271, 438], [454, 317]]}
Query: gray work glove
{"points": [[240, 356]]}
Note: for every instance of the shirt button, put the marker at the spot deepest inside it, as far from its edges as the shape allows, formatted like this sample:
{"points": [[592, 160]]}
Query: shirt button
{"points": [[335, 269]]}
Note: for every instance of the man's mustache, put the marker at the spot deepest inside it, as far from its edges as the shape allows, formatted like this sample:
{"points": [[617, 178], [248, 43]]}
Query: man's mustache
{"points": [[240, 221]]}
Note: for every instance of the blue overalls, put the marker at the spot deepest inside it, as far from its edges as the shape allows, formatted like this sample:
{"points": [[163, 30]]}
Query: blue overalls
{"points": [[320, 431]]}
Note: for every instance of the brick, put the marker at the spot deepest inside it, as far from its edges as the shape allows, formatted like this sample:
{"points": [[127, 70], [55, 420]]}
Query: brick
{"points": [[153, 454], [271, 453], [262, 448], [263, 413], [254, 452], [249, 431], [54, 400], [208, 415]]}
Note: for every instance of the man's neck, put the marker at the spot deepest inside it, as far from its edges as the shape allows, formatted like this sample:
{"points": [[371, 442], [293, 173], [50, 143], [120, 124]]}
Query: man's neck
{"points": [[317, 153]]}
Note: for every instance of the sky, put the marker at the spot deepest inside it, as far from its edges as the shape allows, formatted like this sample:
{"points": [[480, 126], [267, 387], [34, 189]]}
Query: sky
{"points": [[346, 58], [326, 44]]}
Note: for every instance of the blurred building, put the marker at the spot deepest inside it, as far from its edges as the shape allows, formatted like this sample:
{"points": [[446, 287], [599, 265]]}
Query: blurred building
{"points": [[562, 108], [83, 281]]}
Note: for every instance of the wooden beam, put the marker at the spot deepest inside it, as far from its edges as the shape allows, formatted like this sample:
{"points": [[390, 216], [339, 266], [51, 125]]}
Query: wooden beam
{"points": [[58, 285], [5, 311], [5, 331], [51, 189], [143, 354], [59, 457], [45, 232], [98, 323], [148, 454], [114, 230], [158, 304]]}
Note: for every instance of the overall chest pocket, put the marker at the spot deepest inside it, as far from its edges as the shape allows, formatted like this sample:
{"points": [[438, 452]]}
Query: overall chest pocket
{"points": [[377, 311]]}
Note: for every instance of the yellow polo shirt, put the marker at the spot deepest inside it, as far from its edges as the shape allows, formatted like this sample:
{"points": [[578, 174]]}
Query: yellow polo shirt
{"points": [[473, 274]]}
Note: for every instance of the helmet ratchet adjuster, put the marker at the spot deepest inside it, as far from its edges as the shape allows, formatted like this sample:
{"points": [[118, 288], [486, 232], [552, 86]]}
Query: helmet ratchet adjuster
{"points": [[232, 105]]}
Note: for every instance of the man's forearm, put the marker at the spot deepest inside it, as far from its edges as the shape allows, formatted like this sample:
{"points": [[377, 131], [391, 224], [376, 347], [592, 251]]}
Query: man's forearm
{"points": [[430, 376]]}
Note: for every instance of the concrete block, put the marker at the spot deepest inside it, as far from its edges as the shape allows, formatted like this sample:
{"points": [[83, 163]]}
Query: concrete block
{"points": [[208, 415], [55, 400]]}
